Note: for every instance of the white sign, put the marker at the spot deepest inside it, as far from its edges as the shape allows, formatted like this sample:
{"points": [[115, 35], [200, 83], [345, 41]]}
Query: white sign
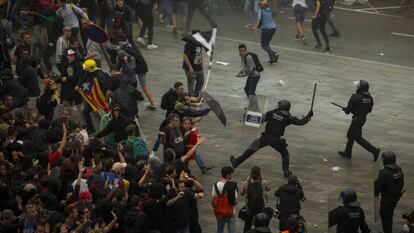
{"points": [[253, 119]]}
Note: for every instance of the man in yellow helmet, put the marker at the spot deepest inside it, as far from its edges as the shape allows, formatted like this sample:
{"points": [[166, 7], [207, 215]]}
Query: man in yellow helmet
{"points": [[92, 71]]}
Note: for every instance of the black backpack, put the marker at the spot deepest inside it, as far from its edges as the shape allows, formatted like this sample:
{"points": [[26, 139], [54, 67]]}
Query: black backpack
{"points": [[255, 200], [165, 98], [257, 64]]}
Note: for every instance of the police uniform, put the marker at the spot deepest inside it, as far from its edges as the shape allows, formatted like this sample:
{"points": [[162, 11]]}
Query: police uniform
{"points": [[348, 219], [389, 184], [360, 104], [277, 120]]}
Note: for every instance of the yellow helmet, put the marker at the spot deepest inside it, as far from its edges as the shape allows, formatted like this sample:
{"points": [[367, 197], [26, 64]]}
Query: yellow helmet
{"points": [[90, 65]]}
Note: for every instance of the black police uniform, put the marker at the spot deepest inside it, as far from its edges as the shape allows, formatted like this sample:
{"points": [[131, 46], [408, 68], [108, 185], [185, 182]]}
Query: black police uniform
{"points": [[277, 120], [360, 104], [390, 183], [348, 219]]}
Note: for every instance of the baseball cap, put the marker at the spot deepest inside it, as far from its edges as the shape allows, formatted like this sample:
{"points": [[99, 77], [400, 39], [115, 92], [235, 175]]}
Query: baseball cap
{"points": [[71, 52]]}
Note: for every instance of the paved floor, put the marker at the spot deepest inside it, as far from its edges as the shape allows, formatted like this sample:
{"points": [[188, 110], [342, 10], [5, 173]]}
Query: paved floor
{"points": [[312, 147]]}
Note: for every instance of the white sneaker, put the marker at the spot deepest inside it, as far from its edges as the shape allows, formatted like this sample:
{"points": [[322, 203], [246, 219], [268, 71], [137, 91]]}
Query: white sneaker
{"points": [[141, 40], [169, 26], [152, 154], [152, 46]]}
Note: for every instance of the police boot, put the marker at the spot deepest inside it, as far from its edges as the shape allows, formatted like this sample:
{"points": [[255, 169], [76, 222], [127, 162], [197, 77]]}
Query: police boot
{"points": [[233, 161], [287, 173], [376, 154], [345, 154]]}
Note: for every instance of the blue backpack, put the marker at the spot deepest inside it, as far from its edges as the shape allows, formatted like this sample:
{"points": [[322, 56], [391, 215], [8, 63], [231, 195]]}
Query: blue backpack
{"points": [[139, 148]]}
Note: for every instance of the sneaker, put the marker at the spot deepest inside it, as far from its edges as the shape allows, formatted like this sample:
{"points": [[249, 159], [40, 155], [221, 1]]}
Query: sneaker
{"points": [[174, 31], [141, 40], [152, 46], [169, 26], [334, 34], [297, 37], [152, 108], [145, 36], [275, 58], [204, 170], [152, 154], [345, 154], [376, 154], [249, 25], [233, 161], [318, 46], [287, 173]]}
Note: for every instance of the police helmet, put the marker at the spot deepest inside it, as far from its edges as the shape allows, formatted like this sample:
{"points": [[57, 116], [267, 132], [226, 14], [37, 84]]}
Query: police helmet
{"points": [[349, 197], [261, 220], [284, 105], [388, 157], [90, 65], [363, 86]]}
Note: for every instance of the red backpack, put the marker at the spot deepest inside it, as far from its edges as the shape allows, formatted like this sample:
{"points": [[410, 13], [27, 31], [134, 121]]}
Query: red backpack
{"points": [[221, 205]]}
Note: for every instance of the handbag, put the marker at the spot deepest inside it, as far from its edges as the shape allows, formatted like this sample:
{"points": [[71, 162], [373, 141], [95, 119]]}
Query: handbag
{"points": [[244, 213]]}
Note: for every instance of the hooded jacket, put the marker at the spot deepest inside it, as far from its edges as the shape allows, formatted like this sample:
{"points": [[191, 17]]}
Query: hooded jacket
{"points": [[289, 198], [127, 96]]}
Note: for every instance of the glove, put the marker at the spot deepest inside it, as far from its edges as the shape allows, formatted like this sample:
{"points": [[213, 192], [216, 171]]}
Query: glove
{"points": [[310, 114], [346, 111]]}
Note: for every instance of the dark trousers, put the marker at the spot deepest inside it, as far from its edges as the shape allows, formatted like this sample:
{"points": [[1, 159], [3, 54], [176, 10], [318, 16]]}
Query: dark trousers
{"points": [[279, 144], [48, 53], [387, 212], [266, 37], [355, 134], [148, 22], [320, 23], [199, 4], [251, 84], [283, 220], [86, 113]]}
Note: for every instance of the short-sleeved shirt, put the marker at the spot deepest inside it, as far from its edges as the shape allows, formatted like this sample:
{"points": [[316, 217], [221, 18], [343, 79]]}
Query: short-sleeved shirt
{"points": [[195, 56], [266, 18]]}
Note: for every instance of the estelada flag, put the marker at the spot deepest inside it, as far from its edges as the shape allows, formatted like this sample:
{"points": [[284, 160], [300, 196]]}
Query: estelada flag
{"points": [[92, 94]]}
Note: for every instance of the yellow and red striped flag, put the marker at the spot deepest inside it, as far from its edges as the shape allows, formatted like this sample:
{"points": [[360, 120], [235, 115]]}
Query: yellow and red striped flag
{"points": [[92, 94]]}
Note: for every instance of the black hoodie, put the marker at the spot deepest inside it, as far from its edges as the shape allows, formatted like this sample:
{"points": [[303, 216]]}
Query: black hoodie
{"points": [[28, 76], [289, 198]]}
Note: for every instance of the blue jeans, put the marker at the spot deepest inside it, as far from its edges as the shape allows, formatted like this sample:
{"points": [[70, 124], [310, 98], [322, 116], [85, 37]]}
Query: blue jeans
{"points": [[231, 225], [199, 160], [167, 11], [331, 22], [157, 144], [266, 37], [251, 84]]}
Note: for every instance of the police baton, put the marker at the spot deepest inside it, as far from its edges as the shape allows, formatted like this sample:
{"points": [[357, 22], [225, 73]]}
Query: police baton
{"points": [[337, 105], [313, 96]]}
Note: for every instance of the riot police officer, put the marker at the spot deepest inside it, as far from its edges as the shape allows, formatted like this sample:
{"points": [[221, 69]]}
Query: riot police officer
{"points": [[360, 104], [277, 120], [349, 217], [389, 184]]}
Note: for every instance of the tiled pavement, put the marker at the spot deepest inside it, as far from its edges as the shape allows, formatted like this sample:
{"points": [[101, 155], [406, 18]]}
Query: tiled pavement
{"points": [[312, 147]]}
